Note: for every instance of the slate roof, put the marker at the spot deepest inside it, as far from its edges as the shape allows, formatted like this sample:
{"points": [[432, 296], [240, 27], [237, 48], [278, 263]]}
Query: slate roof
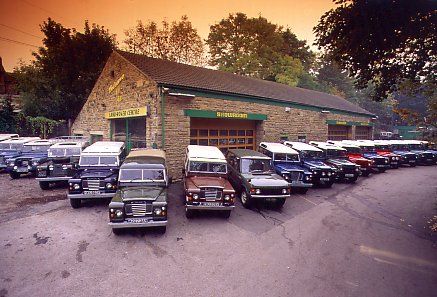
{"points": [[203, 79]]}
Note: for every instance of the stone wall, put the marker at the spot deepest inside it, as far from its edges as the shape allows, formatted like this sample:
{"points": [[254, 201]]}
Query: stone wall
{"points": [[134, 90]]}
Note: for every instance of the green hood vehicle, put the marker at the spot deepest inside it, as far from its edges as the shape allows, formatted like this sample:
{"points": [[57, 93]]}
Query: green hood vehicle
{"points": [[141, 197]]}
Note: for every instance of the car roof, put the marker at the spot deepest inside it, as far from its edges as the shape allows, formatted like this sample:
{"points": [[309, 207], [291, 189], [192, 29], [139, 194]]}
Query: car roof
{"points": [[278, 148], [145, 156], [301, 146], [8, 136], [68, 145], [205, 153], [343, 144], [20, 140], [104, 147], [40, 142], [359, 143], [247, 153], [327, 146]]}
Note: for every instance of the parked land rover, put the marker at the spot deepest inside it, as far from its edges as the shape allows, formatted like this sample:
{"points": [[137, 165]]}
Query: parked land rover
{"points": [[424, 156], [401, 148], [312, 158], [97, 175], [355, 155], [11, 148], [206, 183], [254, 178], [380, 164], [32, 154], [286, 162], [336, 156], [141, 197], [61, 165], [384, 149]]}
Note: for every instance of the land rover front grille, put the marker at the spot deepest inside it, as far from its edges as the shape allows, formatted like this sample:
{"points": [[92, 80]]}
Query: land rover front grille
{"points": [[58, 171], [23, 163], [91, 184], [138, 209], [427, 155], [2, 159], [349, 169], [295, 175], [271, 192], [211, 193]]}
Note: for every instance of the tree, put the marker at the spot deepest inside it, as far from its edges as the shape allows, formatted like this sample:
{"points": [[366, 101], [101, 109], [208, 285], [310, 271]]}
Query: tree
{"points": [[255, 47], [177, 42], [58, 82], [7, 117], [381, 42]]}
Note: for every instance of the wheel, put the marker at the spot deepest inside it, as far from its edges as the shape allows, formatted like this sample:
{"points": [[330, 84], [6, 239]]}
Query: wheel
{"points": [[280, 202], [353, 180], [14, 175], [328, 184], [162, 229], [365, 173], [245, 199], [117, 231], [44, 185], [75, 203], [412, 164], [226, 214], [189, 213], [381, 170]]}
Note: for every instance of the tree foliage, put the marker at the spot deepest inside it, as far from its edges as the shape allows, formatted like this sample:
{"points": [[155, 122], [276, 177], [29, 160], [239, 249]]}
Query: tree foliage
{"points": [[177, 42], [65, 69], [256, 47], [7, 117], [381, 42]]}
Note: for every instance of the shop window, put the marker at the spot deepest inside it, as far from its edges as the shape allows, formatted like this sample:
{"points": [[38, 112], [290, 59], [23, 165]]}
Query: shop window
{"points": [[193, 132], [213, 132], [203, 132], [203, 141], [232, 132], [241, 132], [193, 141], [213, 142], [224, 132]]}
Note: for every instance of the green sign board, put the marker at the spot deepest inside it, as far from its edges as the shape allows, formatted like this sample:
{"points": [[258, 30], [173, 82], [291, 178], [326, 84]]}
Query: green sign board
{"points": [[235, 115], [344, 123]]}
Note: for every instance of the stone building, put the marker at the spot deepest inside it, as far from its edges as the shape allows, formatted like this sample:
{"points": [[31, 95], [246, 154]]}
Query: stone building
{"points": [[149, 102], [8, 88]]}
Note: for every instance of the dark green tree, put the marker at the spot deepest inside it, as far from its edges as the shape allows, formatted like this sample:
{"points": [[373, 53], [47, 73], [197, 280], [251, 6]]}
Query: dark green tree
{"points": [[65, 69], [8, 120], [381, 42]]}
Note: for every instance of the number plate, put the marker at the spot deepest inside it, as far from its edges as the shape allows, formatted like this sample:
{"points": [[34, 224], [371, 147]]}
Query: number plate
{"points": [[142, 220], [210, 203], [94, 193], [412, 161], [324, 178], [394, 163], [428, 160], [380, 166], [349, 175], [22, 169]]}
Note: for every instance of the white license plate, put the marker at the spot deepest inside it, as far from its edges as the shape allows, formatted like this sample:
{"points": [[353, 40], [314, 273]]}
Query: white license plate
{"points": [[428, 160], [349, 175], [92, 192], [210, 203], [142, 220], [324, 178], [379, 166], [412, 161], [394, 163], [21, 169]]}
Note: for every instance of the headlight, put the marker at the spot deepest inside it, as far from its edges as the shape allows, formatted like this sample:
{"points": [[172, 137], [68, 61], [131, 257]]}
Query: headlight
{"points": [[35, 163], [340, 169], [15, 167], [108, 186], [285, 191], [227, 197], [357, 169], [195, 196], [323, 173], [285, 176], [76, 186], [329, 173], [308, 177], [157, 211], [119, 213], [386, 161], [257, 191], [51, 167]]}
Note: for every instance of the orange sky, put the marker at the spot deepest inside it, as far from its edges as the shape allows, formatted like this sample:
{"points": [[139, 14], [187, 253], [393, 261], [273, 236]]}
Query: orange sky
{"points": [[20, 19]]}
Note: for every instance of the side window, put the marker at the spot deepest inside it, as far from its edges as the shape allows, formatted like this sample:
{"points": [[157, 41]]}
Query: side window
{"points": [[268, 153]]}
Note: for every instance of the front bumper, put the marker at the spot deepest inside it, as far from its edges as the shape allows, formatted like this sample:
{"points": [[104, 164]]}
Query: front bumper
{"points": [[126, 224], [299, 184], [91, 196], [209, 207], [53, 179], [254, 196]]}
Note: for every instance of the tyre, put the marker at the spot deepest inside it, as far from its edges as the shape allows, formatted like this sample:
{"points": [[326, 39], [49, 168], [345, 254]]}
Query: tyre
{"points": [[280, 202], [245, 199], [44, 185], [353, 180], [381, 170], [302, 191], [412, 164], [117, 231], [189, 213], [75, 203], [365, 173], [328, 184], [226, 214], [14, 175]]}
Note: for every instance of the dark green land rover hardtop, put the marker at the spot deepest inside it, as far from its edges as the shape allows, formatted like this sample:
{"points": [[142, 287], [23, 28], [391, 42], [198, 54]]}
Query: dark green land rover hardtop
{"points": [[141, 198]]}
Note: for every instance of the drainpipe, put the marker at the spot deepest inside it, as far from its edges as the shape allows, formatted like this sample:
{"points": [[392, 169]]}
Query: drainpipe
{"points": [[162, 119]]}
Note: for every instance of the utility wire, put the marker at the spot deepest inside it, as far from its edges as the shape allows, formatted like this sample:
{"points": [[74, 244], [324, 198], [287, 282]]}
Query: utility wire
{"points": [[48, 11], [17, 42], [18, 30]]}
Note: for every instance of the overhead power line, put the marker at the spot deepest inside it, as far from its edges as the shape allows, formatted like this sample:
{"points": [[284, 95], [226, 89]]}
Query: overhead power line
{"points": [[18, 30], [17, 42]]}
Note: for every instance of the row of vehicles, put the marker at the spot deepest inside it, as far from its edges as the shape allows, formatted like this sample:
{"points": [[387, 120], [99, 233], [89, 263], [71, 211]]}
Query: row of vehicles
{"points": [[137, 183]]}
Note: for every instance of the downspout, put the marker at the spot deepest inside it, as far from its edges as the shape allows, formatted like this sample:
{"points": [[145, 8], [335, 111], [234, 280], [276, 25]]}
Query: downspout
{"points": [[162, 120]]}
